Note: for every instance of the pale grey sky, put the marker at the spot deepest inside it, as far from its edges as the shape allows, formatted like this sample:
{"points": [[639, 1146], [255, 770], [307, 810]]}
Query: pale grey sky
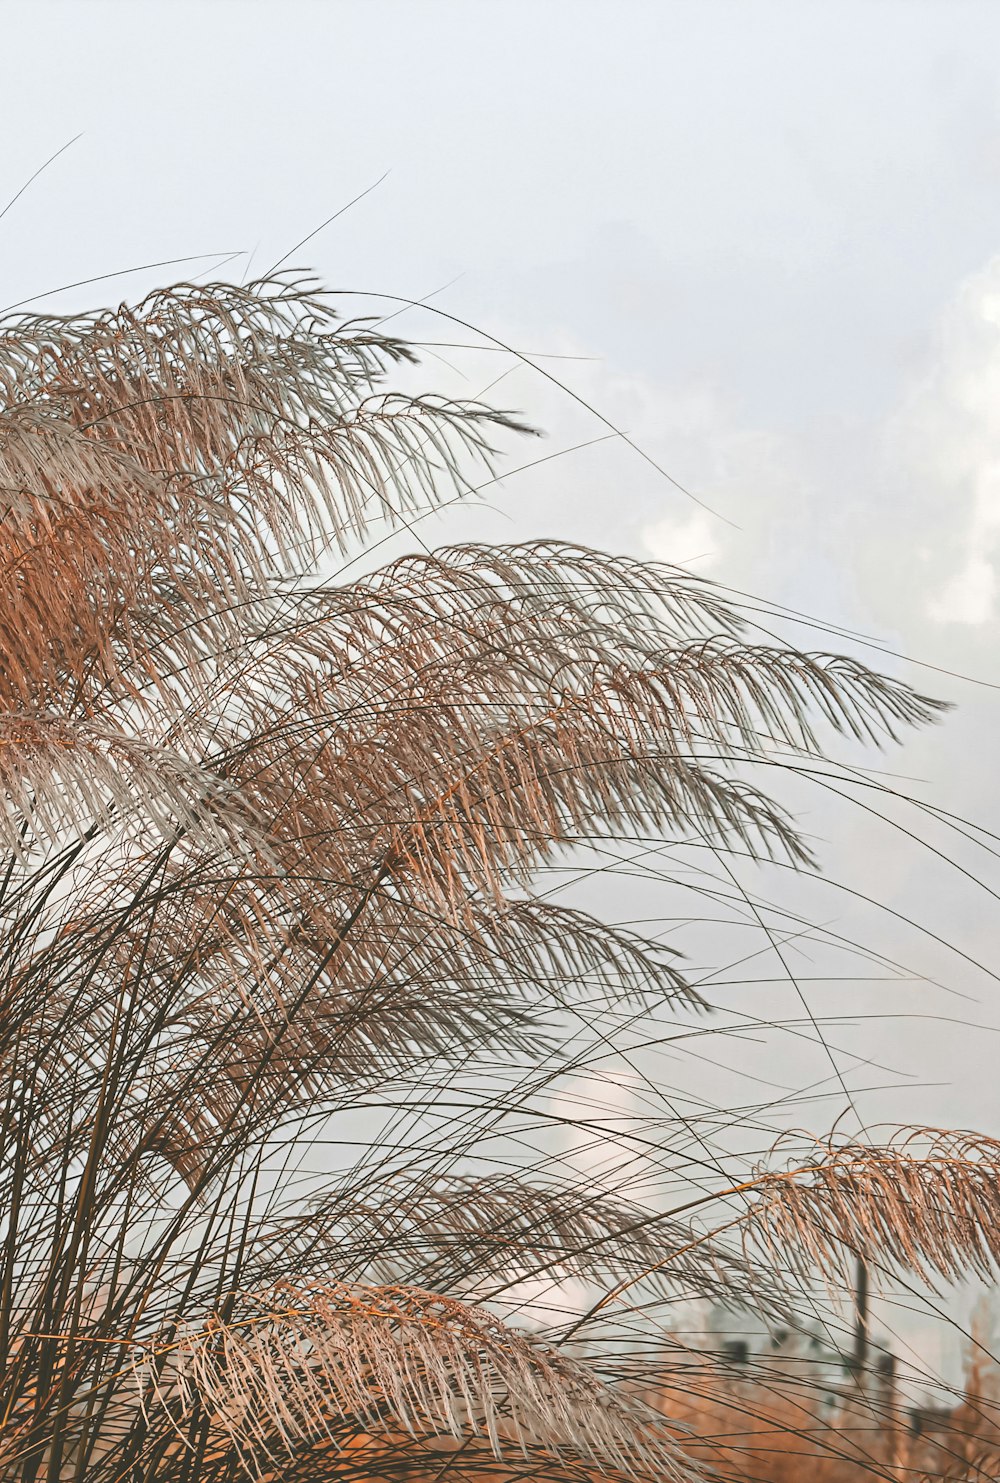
{"points": [[775, 225]]}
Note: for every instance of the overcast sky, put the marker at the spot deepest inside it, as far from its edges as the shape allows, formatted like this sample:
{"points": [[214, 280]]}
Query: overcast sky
{"points": [[773, 227]]}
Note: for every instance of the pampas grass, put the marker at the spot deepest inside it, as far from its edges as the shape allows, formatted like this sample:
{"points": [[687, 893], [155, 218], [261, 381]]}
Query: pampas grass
{"points": [[269, 852]]}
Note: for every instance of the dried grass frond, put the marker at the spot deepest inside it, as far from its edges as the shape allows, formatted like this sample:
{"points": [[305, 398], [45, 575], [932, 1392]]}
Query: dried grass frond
{"points": [[63, 780], [306, 1361], [170, 462], [490, 1234], [928, 1203]]}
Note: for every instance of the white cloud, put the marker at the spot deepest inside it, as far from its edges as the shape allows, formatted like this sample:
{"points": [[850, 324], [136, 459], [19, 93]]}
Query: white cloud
{"points": [[677, 540], [969, 597], [946, 437]]}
